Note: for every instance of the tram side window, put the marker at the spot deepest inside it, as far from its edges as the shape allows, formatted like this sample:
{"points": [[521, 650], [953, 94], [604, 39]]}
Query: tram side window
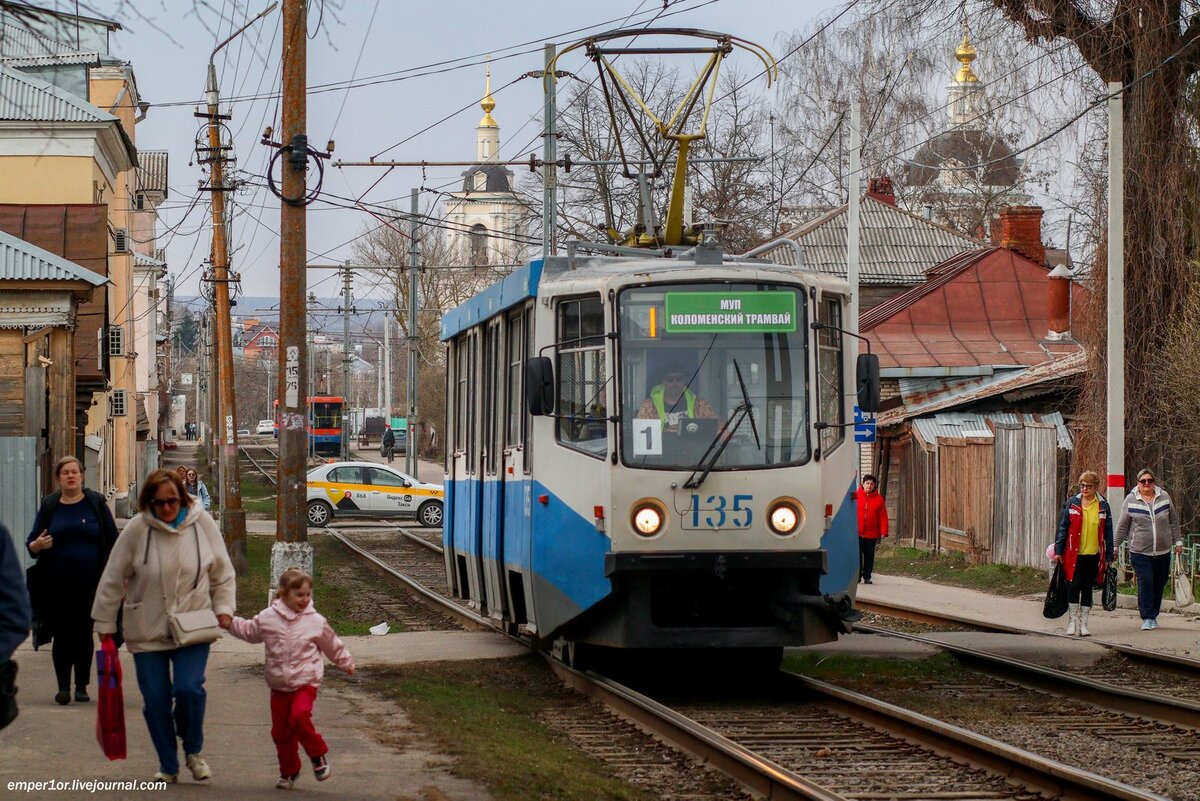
{"points": [[460, 394], [830, 391], [582, 376], [516, 374], [489, 393]]}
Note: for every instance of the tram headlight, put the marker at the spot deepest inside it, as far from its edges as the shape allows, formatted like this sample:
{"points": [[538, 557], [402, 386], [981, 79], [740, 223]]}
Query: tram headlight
{"points": [[648, 517], [785, 516]]}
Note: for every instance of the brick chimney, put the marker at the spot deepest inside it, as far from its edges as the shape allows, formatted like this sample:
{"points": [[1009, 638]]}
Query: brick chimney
{"points": [[1021, 231], [881, 189], [1058, 307]]}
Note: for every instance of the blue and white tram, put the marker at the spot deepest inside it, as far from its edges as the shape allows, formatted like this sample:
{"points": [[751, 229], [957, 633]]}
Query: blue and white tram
{"points": [[647, 452]]}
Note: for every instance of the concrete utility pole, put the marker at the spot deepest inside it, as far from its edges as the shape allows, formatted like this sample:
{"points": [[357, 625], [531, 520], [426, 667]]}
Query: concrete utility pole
{"points": [[1116, 293], [387, 367], [347, 277], [414, 301], [292, 547], [549, 156]]}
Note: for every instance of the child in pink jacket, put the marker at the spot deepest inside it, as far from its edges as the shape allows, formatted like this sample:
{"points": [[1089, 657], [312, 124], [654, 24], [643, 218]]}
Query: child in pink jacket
{"points": [[295, 636]]}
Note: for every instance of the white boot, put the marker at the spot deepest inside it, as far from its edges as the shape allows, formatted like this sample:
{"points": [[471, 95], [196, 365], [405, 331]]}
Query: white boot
{"points": [[1083, 616], [1072, 618]]}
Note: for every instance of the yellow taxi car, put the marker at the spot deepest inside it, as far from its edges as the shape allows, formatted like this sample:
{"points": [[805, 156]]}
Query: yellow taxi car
{"points": [[367, 489]]}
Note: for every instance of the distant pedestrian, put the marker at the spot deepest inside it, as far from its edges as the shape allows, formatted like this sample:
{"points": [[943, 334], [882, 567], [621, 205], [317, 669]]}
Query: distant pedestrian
{"points": [[1084, 545], [1150, 521], [388, 445], [72, 536], [182, 472], [171, 572], [872, 525], [296, 636], [196, 488]]}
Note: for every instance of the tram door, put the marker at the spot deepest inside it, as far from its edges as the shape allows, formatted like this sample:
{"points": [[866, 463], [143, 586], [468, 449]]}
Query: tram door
{"points": [[515, 576], [491, 562], [466, 473]]}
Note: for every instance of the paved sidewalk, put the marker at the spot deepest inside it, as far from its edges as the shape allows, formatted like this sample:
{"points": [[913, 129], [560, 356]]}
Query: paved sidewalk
{"points": [[1179, 633], [375, 753]]}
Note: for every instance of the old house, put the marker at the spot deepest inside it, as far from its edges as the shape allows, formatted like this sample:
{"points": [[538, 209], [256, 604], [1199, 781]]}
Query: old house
{"points": [[979, 369], [68, 110], [41, 298]]}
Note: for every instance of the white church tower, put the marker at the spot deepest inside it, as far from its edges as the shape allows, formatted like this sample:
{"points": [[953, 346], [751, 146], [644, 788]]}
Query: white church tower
{"points": [[487, 217]]}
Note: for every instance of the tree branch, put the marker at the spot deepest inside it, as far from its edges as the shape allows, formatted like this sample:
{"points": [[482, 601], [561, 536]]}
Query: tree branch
{"points": [[1047, 20]]}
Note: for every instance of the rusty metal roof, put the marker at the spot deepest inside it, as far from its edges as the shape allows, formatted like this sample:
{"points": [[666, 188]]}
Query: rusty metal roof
{"points": [[26, 98], [1031, 380], [22, 261], [898, 247]]}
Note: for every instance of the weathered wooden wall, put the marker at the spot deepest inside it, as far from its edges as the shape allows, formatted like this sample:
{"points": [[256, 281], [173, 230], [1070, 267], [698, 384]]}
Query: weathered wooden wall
{"points": [[1026, 509], [966, 481], [915, 488], [12, 383]]}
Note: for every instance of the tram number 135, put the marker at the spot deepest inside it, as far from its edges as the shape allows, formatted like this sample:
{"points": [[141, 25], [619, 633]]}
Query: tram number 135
{"points": [[719, 511]]}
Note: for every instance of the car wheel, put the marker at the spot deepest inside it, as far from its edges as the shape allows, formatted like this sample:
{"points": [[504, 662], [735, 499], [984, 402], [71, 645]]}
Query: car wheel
{"points": [[430, 514], [319, 513]]}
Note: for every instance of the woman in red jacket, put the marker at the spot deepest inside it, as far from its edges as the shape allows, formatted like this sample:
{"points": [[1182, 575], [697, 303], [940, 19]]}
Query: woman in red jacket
{"points": [[872, 525]]}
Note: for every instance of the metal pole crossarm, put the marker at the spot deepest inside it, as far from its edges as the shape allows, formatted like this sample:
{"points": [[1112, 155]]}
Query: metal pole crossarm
{"points": [[566, 162]]}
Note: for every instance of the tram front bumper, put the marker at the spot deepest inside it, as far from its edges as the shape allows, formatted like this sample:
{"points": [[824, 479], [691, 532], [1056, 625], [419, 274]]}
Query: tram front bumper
{"points": [[704, 599]]}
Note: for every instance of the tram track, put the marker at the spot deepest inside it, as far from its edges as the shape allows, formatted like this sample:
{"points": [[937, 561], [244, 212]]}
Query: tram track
{"points": [[813, 740]]}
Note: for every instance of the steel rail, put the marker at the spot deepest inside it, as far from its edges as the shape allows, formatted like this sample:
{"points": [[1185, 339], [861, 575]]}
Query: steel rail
{"points": [[1028, 769], [257, 466], [756, 773], [1181, 665], [455, 610], [1102, 694], [773, 781]]}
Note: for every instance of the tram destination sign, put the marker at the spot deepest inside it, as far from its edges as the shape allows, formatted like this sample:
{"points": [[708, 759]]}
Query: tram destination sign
{"points": [[730, 312]]}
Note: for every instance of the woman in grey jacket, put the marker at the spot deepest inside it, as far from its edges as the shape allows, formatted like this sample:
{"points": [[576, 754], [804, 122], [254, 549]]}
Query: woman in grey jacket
{"points": [[1150, 521]]}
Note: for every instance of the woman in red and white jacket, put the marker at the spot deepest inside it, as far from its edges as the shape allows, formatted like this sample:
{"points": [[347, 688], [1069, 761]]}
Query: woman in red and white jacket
{"points": [[872, 525], [1084, 545]]}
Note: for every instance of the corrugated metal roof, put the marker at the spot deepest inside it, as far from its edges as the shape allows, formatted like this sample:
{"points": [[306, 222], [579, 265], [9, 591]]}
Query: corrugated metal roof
{"points": [[152, 171], [1058, 369], [23, 97], [74, 58], [142, 260], [22, 261], [960, 425], [898, 247], [19, 40]]}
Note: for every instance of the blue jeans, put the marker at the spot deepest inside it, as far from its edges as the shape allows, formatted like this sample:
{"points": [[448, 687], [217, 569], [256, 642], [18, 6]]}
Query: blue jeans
{"points": [[186, 688], [1152, 573]]}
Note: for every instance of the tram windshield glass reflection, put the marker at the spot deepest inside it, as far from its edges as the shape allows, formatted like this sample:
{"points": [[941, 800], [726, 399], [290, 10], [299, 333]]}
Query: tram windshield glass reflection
{"points": [[679, 383]]}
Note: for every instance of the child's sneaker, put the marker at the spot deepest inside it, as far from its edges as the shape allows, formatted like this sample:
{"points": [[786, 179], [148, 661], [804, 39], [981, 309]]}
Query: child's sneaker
{"points": [[321, 768], [286, 782]]}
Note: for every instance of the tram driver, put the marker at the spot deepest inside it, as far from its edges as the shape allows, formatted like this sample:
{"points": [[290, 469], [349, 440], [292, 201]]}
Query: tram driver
{"points": [[672, 400]]}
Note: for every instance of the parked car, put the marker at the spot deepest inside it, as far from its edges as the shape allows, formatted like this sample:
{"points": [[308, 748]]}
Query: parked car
{"points": [[265, 427], [169, 445], [367, 489], [243, 432], [401, 442]]}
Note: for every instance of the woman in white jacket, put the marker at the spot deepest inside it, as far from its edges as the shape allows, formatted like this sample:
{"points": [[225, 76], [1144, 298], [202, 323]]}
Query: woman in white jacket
{"points": [[171, 567]]}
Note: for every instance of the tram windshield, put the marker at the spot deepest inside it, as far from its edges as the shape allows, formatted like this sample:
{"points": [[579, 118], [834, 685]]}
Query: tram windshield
{"points": [[682, 349]]}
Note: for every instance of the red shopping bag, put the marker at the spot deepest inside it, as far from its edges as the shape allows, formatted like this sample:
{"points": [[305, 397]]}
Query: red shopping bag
{"points": [[110, 706]]}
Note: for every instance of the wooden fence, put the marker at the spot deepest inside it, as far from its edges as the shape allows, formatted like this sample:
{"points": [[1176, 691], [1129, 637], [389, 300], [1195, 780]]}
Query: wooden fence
{"points": [[1026, 493], [966, 481]]}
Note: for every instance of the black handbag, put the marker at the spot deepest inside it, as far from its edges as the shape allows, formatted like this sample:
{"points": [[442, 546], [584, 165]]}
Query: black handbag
{"points": [[1109, 593], [8, 692], [1056, 596]]}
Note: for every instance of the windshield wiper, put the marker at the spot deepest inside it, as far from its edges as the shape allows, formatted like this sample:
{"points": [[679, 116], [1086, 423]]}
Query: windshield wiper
{"points": [[709, 460]]}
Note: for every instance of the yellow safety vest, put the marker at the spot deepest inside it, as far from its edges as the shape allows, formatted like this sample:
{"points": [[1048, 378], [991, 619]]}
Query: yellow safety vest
{"points": [[656, 395]]}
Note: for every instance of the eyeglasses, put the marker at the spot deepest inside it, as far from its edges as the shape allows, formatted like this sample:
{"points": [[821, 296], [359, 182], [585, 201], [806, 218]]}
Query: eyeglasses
{"points": [[164, 502], [1087, 483], [1145, 480]]}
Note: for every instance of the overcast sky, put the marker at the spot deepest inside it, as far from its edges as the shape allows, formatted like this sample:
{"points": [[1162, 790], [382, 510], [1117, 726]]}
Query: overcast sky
{"points": [[396, 38]]}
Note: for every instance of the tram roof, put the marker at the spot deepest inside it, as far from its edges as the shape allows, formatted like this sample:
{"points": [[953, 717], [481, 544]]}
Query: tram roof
{"points": [[523, 282]]}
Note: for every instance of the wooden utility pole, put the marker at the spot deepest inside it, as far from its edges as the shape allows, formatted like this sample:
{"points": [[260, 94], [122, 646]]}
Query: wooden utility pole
{"points": [[292, 547], [233, 516]]}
